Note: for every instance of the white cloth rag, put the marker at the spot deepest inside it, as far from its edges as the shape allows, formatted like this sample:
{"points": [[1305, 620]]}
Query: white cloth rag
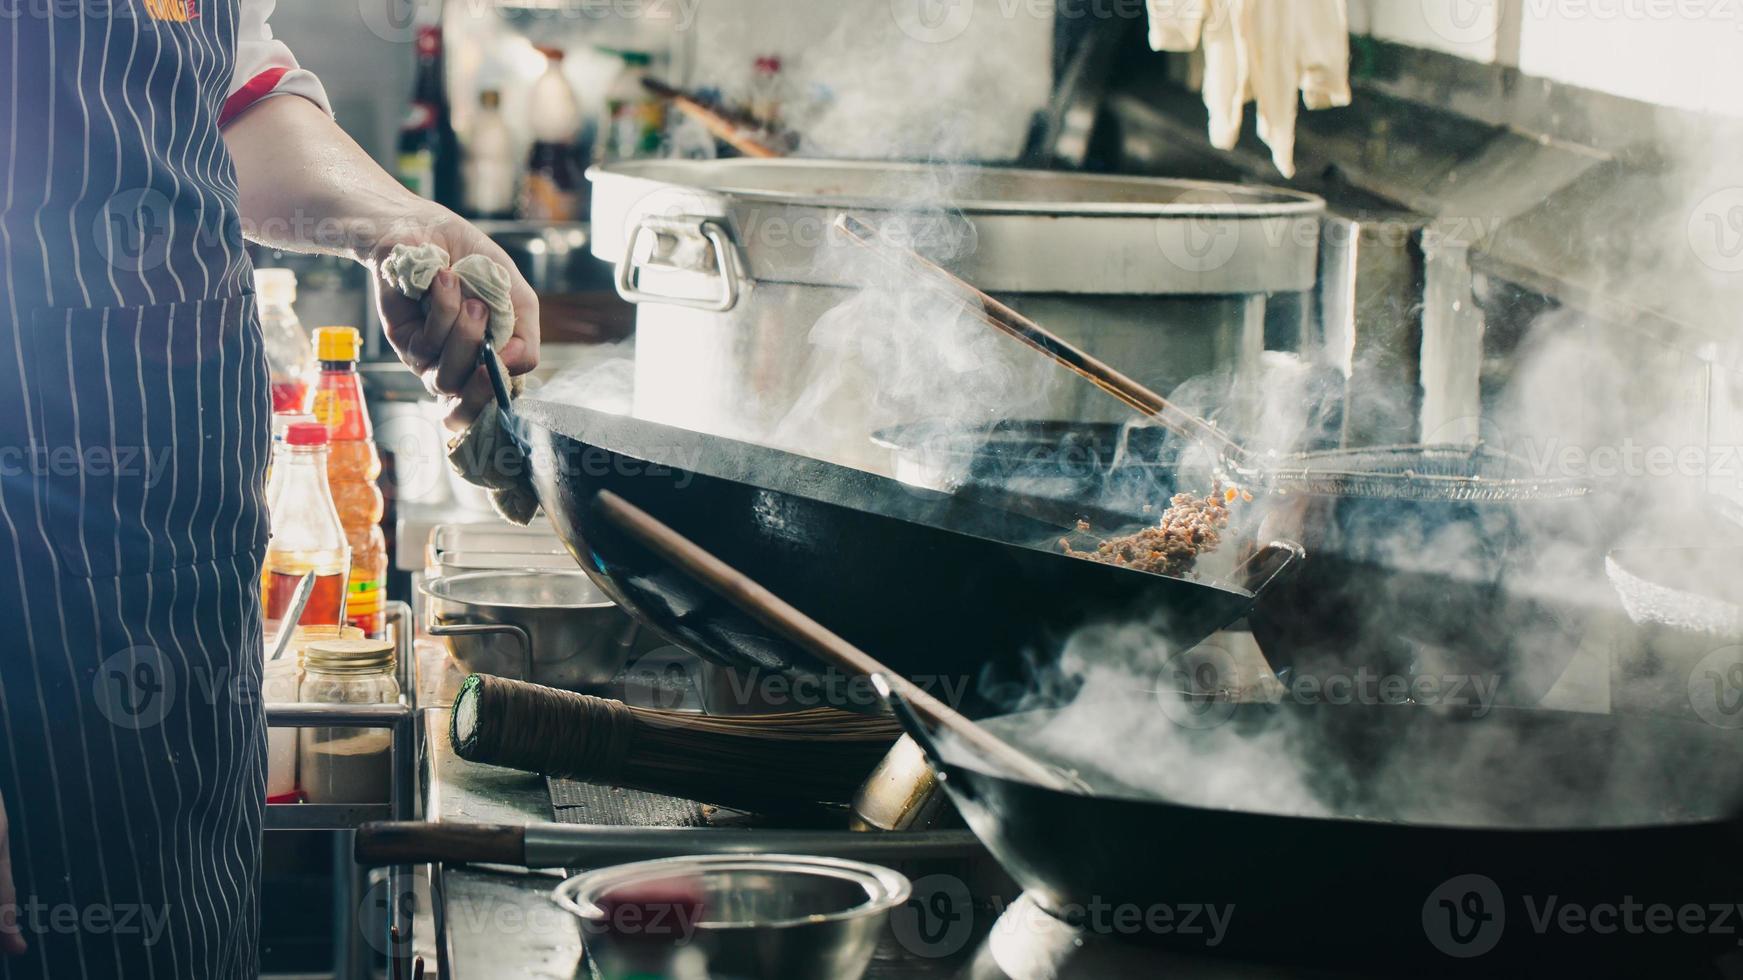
{"points": [[1267, 51], [483, 455]]}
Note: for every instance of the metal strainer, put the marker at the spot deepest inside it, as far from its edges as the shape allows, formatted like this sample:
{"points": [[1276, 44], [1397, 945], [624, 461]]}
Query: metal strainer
{"points": [[1419, 472]]}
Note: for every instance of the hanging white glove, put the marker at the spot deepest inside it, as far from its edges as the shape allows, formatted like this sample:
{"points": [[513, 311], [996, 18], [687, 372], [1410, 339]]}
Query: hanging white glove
{"points": [[1265, 51]]}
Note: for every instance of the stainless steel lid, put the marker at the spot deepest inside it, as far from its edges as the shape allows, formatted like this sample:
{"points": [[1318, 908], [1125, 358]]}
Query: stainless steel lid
{"points": [[1010, 231]]}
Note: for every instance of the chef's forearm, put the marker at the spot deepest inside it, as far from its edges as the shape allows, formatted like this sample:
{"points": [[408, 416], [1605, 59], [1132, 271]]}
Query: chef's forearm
{"points": [[306, 186]]}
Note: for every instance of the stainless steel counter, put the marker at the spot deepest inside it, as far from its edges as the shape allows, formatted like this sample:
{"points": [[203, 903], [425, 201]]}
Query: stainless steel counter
{"points": [[493, 922], [482, 921]]}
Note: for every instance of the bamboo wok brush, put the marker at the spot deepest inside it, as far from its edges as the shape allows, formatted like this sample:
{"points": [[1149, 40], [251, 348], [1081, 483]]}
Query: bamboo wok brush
{"points": [[777, 763]]}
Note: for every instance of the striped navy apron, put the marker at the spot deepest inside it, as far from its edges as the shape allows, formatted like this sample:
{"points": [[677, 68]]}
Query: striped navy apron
{"points": [[133, 440]]}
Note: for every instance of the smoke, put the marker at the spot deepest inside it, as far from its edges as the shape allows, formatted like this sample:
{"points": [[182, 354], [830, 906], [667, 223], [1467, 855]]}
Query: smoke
{"points": [[899, 358], [1120, 739], [603, 381], [1492, 674]]}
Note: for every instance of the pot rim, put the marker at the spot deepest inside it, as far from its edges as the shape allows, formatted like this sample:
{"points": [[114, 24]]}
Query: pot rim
{"points": [[430, 588], [885, 887], [713, 177]]}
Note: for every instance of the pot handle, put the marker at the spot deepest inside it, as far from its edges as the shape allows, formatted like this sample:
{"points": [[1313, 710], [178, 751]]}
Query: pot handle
{"points": [[668, 232], [916, 729], [521, 638], [1279, 556]]}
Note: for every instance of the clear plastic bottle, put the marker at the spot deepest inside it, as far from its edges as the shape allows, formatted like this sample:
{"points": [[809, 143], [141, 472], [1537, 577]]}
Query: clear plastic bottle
{"points": [[306, 534], [337, 403], [281, 423], [288, 357], [490, 163]]}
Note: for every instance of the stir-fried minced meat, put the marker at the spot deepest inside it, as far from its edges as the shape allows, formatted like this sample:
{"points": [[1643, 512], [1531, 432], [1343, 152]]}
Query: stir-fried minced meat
{"points": [[1191, 526]]}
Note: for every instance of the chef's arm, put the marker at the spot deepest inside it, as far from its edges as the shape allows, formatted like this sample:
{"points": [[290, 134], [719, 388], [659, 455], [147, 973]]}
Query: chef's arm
{"points": [[306, 186]]}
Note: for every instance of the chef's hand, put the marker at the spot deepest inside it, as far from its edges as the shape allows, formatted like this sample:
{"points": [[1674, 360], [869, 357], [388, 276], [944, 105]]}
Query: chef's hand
{"points": [[303, 185], [442, 345], [11, 934]]}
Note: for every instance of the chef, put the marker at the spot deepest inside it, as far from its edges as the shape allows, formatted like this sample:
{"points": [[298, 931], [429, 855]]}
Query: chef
{"points": [[140, 142]]}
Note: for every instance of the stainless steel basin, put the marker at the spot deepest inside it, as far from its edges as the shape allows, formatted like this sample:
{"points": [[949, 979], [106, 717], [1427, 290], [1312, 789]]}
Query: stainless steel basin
{"points": [[549, 626], [773, 916]]}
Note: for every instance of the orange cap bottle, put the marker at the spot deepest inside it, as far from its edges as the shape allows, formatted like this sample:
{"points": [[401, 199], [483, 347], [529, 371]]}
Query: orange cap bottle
{"points": [[352, 468]]}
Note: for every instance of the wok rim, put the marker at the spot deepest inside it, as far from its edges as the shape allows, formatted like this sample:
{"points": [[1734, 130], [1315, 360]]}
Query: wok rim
{"points": [[523, 424], [977, 769]]}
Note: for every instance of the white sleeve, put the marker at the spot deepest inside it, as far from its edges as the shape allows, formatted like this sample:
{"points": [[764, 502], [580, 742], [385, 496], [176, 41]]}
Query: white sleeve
{"points": [[264, 66]]}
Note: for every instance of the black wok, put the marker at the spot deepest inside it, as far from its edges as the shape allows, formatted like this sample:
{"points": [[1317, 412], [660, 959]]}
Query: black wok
{"points": [[1378, 886], [950, 593]]}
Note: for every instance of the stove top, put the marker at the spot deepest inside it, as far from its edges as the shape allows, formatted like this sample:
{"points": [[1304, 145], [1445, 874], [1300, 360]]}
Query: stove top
{"points": [[1028, 943]]}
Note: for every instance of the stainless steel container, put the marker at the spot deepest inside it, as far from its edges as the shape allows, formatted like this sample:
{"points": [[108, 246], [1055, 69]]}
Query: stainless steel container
{"points": [[776, 916], [732, 264], [546, 626]]}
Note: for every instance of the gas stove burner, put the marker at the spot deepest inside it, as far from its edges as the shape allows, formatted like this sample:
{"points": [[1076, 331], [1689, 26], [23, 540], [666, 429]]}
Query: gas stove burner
{"points": [[1030, 943]]}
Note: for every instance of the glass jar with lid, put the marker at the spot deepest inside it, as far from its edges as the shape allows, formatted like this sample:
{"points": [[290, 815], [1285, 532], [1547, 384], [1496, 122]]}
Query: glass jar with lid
{"points": [[279, 685], [347, 765]]}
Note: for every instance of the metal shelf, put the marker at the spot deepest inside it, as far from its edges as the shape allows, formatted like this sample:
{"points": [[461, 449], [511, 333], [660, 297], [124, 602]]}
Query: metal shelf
{"points": [[403, 719]]}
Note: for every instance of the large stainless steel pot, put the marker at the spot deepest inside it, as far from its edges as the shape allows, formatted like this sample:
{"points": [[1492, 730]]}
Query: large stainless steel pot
{"points": [[731, 264]]}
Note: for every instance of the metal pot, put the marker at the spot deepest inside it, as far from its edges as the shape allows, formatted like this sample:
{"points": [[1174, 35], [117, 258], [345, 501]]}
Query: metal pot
{"points": [[550, 627], [732, 263], [780, 916]]}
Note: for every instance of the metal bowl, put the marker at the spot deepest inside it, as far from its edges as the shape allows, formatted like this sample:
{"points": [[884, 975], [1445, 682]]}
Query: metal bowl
{"points": [[761, 915], [548, 626]]}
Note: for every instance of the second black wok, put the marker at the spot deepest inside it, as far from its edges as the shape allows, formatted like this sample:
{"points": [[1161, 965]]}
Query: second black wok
{"points": [[1479, 863]]}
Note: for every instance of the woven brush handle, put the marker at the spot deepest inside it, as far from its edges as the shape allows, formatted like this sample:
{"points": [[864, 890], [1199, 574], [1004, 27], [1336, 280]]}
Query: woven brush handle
{"points": [[758, 763]]}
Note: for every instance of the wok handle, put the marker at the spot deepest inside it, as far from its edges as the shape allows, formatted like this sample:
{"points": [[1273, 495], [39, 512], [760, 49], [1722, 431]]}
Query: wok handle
{"points": [[1279, 556], [498, 374], [384, 844], [916, 729]]}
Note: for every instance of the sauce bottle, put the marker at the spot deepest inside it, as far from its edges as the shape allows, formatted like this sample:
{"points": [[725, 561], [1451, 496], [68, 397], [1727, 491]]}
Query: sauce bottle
{"points": [[337, 403], [634, 123], [554, 181], [306, 533], [286, 342]]}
